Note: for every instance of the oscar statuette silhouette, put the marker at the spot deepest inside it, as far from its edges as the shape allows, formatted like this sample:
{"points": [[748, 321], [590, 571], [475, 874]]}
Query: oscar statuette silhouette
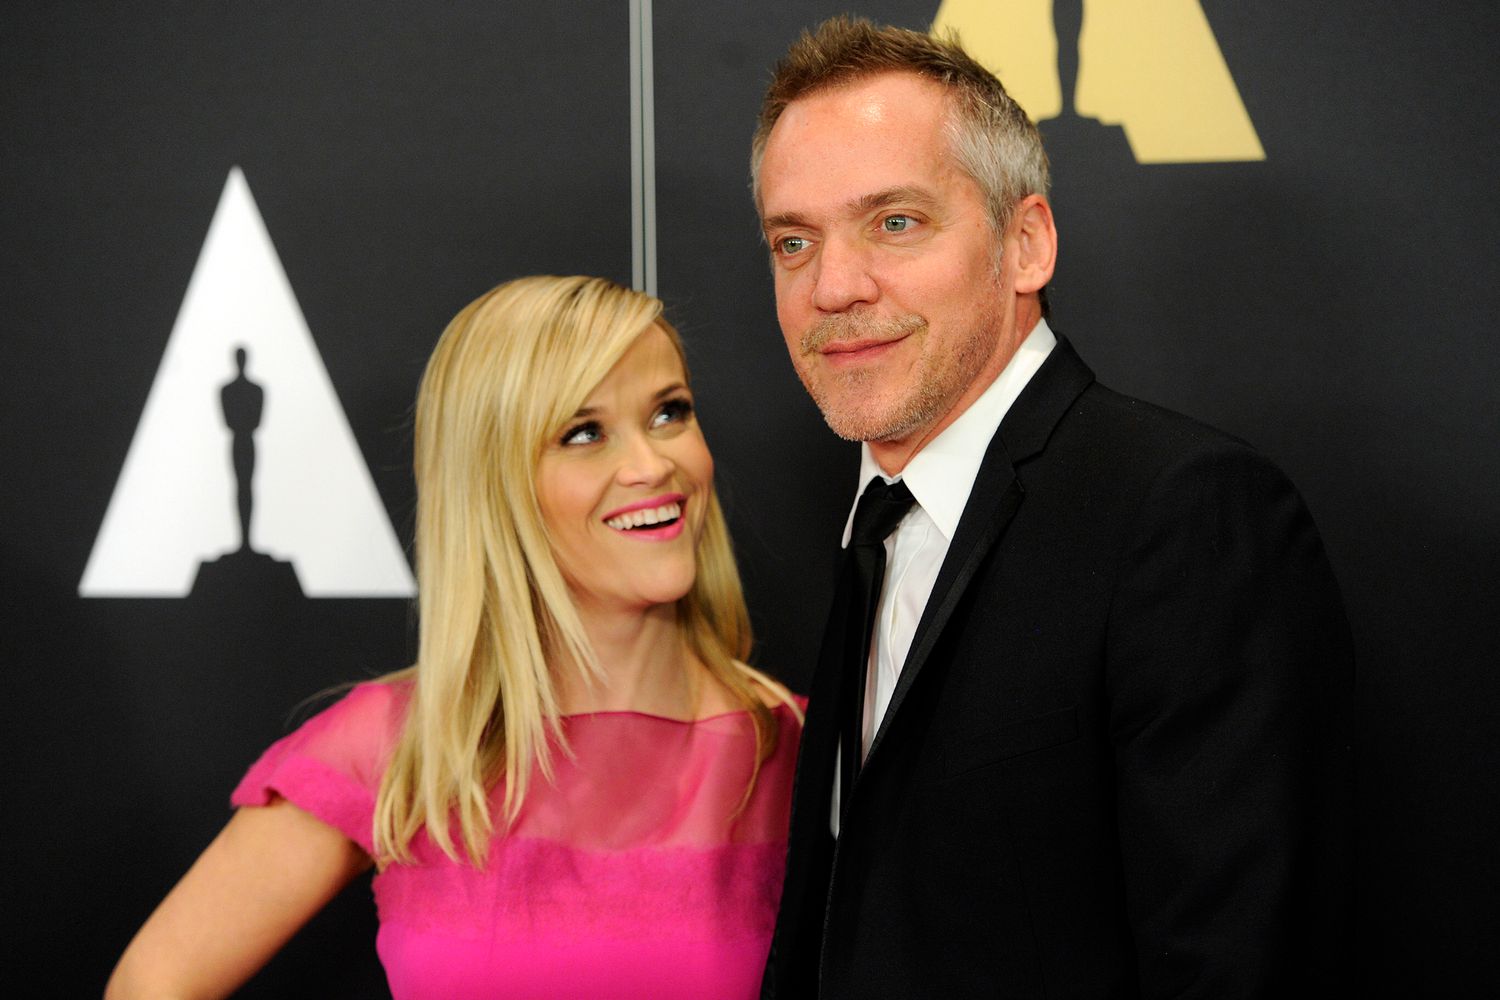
{"points": [[1074, 142], [244, 570]]}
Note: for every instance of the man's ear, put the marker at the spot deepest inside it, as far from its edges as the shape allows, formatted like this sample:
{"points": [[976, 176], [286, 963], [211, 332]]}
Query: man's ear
{"points": [[1036, 243]]}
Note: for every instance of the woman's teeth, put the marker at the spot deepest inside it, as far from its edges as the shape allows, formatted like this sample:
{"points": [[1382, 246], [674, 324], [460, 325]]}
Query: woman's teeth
{"points": [[649, 517]]}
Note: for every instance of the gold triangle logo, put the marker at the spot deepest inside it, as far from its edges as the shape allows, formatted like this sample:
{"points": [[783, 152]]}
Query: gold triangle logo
{"points": [[1152, 67]]}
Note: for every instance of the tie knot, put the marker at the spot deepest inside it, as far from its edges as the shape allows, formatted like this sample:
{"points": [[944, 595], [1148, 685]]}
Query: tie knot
{"points": [[881, 507]]}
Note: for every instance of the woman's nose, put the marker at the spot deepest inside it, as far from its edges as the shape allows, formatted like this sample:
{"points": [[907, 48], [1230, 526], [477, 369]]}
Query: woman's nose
{"points": [[645, 463]]}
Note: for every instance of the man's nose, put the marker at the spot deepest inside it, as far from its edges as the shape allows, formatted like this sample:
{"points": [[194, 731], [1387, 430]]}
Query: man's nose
{"points": [[843, 277]]}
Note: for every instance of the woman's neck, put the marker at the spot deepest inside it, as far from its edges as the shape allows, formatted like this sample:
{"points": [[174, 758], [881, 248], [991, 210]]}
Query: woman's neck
{"points": [[645, 663]]}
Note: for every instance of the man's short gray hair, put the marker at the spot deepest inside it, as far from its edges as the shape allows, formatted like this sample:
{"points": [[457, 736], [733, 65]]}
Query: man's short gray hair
{"points": [[993, 140]]}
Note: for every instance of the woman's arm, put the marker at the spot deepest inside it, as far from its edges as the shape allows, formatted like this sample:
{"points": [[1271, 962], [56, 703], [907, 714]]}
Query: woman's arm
{"points": [[269, 870]]}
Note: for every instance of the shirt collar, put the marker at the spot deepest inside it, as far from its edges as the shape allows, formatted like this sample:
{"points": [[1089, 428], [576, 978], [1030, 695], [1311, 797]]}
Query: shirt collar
{"points": [[942, 474]]}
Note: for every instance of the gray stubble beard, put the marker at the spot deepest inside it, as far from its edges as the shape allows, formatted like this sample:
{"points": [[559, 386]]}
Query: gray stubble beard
{"points": [[924, 402]]}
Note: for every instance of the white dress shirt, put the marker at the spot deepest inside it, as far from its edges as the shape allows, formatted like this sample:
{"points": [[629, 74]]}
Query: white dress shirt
{"points": [[940, 477]]}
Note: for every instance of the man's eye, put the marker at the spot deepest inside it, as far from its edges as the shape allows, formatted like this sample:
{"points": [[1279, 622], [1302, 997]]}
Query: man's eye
{"points": [[673, 411], [588, 433], [897, 223], [791, 244]]}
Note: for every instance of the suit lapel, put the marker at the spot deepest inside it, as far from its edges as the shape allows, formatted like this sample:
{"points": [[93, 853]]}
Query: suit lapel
{"points": [[985, 518], [996, 496]]}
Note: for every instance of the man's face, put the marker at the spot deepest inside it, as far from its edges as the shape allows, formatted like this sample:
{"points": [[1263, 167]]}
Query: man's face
{"points": [[893, 304]]}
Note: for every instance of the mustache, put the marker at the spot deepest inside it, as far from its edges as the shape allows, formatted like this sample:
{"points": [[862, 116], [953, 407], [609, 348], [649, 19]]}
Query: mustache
{"points": [[859, 326]]}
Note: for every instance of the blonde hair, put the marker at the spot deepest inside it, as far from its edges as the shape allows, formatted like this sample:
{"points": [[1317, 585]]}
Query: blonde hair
{"points": [[496, 616]]}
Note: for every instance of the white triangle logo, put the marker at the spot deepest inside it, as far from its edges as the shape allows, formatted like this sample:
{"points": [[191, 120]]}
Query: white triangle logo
{"points": [[178, 502]]}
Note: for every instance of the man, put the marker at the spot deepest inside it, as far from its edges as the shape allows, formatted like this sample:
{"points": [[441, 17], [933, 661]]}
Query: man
{"points": [[1096, 745]]}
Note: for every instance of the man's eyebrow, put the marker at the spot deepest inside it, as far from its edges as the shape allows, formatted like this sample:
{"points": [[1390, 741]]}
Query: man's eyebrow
{"points": [[907, 194], [900, 194], [785, 220]]}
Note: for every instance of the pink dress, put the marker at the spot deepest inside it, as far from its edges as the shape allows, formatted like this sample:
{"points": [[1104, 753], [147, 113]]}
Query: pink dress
{"points": [[629, 877]]}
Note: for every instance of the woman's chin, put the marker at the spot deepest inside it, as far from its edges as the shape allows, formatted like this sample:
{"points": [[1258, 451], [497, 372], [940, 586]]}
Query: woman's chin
{"points": [[641, 596]]}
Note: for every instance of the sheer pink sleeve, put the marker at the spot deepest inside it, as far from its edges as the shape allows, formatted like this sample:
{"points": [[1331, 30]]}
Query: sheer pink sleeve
{"points": [[331, 766]]}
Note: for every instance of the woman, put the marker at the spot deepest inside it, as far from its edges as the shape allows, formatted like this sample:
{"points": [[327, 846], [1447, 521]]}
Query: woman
{"points": [[579, 789]]}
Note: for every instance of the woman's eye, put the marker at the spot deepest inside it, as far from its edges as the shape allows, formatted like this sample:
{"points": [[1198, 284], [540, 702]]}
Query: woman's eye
{"points": [[897, 223], [791, 244], [587, 433], [673, 411]]}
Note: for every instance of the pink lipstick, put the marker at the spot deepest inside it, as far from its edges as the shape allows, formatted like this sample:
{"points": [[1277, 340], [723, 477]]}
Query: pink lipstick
{"points": [[656, 518]]}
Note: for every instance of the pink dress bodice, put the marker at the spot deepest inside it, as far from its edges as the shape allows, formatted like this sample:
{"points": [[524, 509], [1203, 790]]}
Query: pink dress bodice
{"points": [[632, 874]]}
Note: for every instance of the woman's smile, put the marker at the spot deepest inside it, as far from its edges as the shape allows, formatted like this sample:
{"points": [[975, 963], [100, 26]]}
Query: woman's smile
{"points": [[631, 466]]}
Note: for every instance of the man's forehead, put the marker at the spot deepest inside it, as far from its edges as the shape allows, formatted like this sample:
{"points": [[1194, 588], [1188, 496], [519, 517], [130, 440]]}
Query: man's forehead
{"points": [[845, 176], [870, 100]]}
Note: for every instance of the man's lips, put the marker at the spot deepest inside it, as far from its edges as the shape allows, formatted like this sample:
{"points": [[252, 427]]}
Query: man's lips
{"points": [[850, 352], [857, 346], [858, 336]]}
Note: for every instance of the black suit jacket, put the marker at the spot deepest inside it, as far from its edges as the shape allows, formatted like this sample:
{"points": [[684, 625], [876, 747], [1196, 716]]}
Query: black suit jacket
{"points": [[1116, 763]]}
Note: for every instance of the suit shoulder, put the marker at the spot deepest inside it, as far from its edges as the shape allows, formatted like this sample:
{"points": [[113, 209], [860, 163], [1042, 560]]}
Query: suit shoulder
{"points": [[1152, 435], [1103, 404], [1118, 451]]}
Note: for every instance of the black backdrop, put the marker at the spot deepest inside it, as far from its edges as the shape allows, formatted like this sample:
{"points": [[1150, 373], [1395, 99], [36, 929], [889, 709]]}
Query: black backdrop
{"points": [[1333, 304]]}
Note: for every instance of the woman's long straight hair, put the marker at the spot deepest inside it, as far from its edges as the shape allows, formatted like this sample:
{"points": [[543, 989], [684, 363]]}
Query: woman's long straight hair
{"points": [[496, 617]]}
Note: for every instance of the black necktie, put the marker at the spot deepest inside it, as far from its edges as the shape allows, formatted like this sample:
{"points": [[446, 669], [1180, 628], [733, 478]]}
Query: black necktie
{"points": [[881, 507]]}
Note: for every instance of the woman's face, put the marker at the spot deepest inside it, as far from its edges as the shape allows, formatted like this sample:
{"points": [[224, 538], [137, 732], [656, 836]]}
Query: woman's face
{"points": [[623, 488]]}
